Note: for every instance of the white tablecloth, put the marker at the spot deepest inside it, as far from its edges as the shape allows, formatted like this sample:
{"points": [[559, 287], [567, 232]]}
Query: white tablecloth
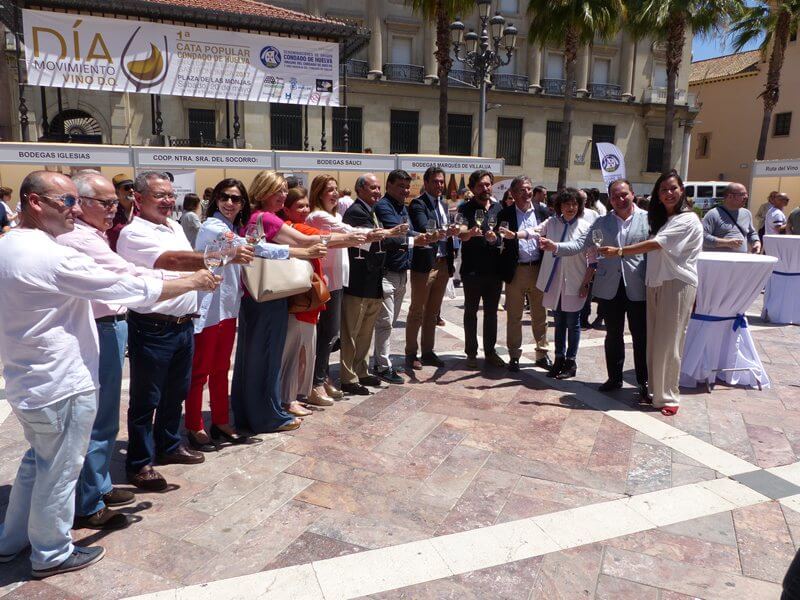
{"points": [[728, 283], [782, 296]]}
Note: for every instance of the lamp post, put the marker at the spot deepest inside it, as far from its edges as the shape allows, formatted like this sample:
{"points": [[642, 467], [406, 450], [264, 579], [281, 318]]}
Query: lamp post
{"points": [[484, 54]]}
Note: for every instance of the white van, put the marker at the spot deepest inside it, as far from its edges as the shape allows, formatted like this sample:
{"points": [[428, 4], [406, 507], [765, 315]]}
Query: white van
{"points": [[706, 194]]}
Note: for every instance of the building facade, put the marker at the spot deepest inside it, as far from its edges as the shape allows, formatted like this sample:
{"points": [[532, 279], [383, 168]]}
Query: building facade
{"points": [[725, 138], [392, 99]]}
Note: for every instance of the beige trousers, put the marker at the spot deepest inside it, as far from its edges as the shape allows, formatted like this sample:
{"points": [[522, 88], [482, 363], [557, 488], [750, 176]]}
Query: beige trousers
{"points": [[358, 323], [524, 282], [669, 307], [297, 364], [427, 293]]}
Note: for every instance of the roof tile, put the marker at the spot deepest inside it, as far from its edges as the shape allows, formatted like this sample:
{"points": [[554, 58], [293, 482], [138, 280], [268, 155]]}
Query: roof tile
{"points": [[724, 66]]}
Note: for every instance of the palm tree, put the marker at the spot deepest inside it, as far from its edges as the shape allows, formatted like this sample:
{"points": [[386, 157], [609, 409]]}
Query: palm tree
{"points": [[442, 12], [669, 21], [776, 22], [571, 24]]}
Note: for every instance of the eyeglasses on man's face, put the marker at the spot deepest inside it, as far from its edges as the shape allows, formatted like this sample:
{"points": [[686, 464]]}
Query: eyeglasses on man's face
{"points": [[106, 204], [163, 195]]}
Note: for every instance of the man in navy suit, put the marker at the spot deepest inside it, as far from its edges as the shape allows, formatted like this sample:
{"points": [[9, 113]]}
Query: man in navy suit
{"points": [[431, 268]]}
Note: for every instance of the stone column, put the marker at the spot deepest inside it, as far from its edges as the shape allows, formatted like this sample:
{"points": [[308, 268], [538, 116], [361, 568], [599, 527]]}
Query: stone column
{"points": [[582, 72], [431, 65], [626, 66], [375, 23], [534, 68]]}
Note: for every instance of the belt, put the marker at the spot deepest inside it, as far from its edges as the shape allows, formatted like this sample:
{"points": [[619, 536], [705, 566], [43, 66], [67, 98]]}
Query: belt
{"points": [[110, 318], [530, 262], [159, 318]]}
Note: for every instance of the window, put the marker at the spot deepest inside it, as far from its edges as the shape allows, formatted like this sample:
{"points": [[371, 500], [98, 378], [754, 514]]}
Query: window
{"points": [[655, 152], [202, 126], [286, 125], [601, 133], [660, 75], [354, 129], [459, 134], [508, 7], [783, 123], [703, 145], [401, 50], [554, 67], [509, 140], [552, 145], [404, 132], [601, 69]]}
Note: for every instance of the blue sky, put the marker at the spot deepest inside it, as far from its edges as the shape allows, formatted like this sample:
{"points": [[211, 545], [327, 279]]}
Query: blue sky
{"points": [[711, 47]]}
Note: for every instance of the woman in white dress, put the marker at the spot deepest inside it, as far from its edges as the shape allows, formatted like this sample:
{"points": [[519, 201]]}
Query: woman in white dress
{"points": [[671, 285]]}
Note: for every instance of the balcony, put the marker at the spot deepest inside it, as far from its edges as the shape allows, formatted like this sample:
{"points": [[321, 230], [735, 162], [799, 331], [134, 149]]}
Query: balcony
{"points": [[605, 91], [355, 68], [507, 81], [461, 78], [397, 72], [658, 95], [555, 87]]}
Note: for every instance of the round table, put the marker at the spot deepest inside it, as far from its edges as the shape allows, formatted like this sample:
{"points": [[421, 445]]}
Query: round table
{"points": [[782, 295], [718, 342]]}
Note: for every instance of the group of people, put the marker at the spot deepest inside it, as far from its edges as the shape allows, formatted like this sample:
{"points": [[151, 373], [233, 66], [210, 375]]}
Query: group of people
{"points": [[97, 266]]}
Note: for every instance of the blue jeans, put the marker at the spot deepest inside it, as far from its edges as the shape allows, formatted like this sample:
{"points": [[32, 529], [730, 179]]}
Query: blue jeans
{"points": [[568, 329], [161, 368], [95, 479], [42, 503]]}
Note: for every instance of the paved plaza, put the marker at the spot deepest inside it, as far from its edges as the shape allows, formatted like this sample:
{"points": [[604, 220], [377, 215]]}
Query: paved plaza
{"points": [[472, 484]]}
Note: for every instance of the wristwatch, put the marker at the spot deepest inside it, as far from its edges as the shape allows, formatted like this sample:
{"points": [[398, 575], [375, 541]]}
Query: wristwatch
{"points": [[619, 251]]}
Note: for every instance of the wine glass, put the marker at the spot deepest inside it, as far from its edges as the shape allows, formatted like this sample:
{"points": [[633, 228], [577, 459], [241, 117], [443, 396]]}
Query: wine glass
{"points": [[503, 225], [212, 256], [325, 236], [479, 216], [404, 221], [597, 237], [430, 229], [491, 222], [227, 251], [459, 220], [251, 234]]}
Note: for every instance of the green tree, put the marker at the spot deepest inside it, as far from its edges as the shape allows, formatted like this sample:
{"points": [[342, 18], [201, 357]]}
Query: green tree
{"points": [[776, 21], [670, 21], [442, 12], [571, 24]]}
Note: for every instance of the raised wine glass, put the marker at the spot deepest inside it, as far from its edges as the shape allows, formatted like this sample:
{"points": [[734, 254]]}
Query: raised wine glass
{"points": [[459, 220], [251, 234], [597, 237], [430, 229], [479, 216], [503, 225], [325, 236], [212, 256]]}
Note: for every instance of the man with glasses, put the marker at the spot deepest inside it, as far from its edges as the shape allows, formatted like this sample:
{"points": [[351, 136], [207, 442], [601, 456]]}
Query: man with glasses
{"points": [[729, 226], [50, 349], [161, 342], [618, 283], [126, 210]]}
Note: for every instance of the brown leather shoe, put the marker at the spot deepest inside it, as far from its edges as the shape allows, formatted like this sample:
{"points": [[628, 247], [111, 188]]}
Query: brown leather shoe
{"points": [[104, 519], [148, 479], [118, 497], [181, 456]]}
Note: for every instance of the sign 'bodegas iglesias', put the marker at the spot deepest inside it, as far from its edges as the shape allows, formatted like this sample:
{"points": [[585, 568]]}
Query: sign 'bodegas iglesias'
{"points": [[66, 50]]}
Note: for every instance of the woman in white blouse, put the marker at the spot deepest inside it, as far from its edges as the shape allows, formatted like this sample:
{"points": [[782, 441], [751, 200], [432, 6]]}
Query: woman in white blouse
{"points": [[324, 197], [564, 280], [671, 285]]}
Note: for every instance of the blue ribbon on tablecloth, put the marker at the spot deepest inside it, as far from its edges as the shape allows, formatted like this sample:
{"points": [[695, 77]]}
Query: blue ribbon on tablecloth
{"points": [[738, 321], [785, 274]]}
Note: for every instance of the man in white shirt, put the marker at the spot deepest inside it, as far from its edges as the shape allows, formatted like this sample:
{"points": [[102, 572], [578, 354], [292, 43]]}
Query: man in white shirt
{"points": [[160, 342], [775, 221], [50, 351]]}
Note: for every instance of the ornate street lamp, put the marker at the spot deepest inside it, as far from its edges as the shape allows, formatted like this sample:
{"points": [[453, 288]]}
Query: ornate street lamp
{"points": [[485, 53]]}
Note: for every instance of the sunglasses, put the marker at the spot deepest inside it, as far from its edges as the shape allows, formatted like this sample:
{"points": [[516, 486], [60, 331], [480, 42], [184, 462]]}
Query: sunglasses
{"points": [[66, 200], [127, 187], [235, 198]]}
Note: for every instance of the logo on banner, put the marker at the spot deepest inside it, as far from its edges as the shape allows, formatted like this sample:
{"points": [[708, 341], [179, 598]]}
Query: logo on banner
{"points": [[146, 72], [270, 57], [610, 163]]}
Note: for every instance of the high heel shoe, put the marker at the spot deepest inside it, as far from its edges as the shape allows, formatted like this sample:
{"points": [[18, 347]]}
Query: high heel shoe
{"points": [[218, 434], [333, 391], [556, 367], [196, 444], [317, 398], [569, 370], [669, 411]]}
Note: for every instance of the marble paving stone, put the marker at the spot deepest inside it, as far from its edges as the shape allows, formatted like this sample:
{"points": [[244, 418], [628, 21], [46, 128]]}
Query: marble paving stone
{"points": [[770, 445], [110, 579], [765, 544], [481, 502], [674, 505], [40, 590], [691, 580], [650, 470], [793, 523], [683, 474], [717, 529], [612, 588], [452, 477], [309, 547], [410, 433], [568, 575], [766, 483], [363, 530]]}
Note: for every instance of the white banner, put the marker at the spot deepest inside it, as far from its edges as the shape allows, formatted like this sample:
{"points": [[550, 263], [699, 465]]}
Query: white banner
{"points": [[65, 154], [193, 157], [776, 168], [612, 162], [330, 161], [451, 164], [94, 53]]}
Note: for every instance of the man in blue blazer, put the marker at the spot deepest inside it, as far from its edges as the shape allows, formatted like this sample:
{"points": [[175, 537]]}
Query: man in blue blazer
{"points": [[618, 282]]}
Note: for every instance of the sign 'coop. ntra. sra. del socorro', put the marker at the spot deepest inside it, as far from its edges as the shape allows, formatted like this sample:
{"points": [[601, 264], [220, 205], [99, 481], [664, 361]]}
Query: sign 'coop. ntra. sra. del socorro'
{"points": [[93, 53]]}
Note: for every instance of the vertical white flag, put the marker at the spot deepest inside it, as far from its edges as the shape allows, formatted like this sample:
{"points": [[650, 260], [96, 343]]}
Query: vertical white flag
{"points": [[612, 163]]}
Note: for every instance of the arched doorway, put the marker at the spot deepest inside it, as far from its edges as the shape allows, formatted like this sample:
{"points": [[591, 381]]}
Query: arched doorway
{"points": [[73, 125]]}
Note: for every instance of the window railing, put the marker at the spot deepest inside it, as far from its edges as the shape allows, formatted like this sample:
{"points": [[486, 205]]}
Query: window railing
{"points": [[461, 78], [355, 68], [398, 72], [508, 81], [605, 91], [555, 87], [658, 95]]}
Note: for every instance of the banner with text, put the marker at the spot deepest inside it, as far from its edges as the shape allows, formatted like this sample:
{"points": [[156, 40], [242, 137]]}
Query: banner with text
{"points": [[94, 53], [612, 163]]}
